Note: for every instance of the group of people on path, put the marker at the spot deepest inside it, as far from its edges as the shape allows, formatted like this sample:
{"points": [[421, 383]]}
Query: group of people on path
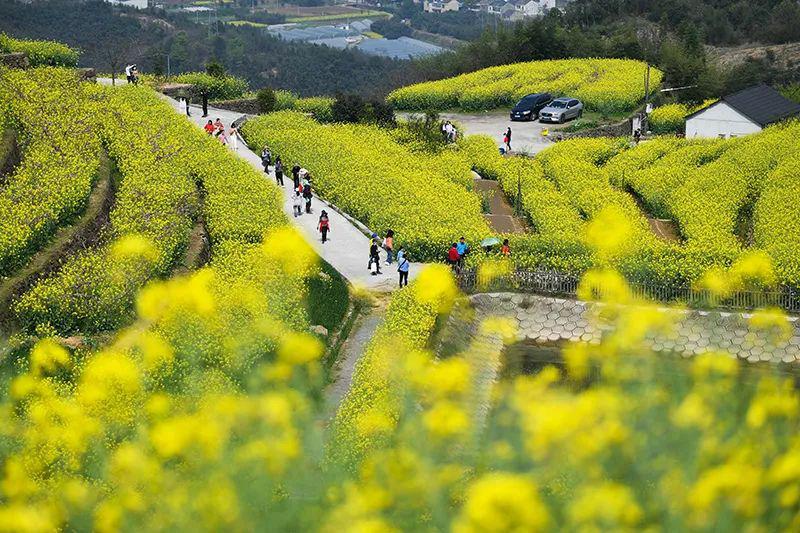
{"points": [[132, 73], [217, 129], [387, 243], [459, 250], [302, 193], [449, 132]]}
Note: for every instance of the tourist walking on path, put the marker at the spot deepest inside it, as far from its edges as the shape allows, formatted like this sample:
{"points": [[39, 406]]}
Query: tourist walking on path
{"points": [[204, 96], [307, 195], [209, 127], [234, 138], [184, 103], [507, 139], [266, 159], [388, 244], [324, 226], [297, 202], [219, 127], [403, 266], [374, 265], [296, 175], [279, 171]]}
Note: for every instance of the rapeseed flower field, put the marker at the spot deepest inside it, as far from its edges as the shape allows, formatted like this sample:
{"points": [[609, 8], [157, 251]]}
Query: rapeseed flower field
{"points": [[204, 409], [604, 85]]}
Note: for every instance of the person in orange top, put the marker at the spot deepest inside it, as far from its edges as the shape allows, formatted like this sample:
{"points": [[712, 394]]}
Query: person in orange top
{"points": [[388, 243], [505, 249]]}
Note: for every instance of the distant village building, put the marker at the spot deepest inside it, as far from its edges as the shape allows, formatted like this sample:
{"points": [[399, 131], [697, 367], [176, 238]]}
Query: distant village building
{"points": [[534, 8], [518, 9], [748, 111], [440, 6]]}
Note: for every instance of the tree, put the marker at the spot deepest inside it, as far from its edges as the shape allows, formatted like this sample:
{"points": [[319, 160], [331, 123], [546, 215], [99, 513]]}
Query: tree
{"points": [[348, 108], [382, 113], [215, 68], [266, 100], [784, 24], [118, 50]]}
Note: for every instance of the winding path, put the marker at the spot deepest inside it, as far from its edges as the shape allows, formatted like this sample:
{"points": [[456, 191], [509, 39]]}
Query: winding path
{"points": [[347, 249]]}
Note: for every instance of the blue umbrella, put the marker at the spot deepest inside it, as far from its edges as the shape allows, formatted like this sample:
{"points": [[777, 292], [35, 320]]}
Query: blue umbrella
{"points": [[490, 241]]}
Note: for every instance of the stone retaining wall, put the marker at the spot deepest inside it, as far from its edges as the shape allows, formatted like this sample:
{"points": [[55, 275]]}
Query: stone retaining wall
{"points": [[620, 129], [14, 60], [245, 106], [546, 319]]}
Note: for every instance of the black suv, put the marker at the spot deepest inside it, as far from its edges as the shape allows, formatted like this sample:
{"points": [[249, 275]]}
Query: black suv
{"points": [[528, 108]]}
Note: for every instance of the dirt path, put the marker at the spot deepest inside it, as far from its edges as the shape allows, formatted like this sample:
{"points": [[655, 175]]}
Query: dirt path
{"points": [[362, 332], [501, 214], [9, 154], [662, 228], [198, 251], [87, 231]]}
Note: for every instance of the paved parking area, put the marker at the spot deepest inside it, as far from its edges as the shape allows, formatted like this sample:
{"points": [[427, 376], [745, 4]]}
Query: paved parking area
{"points": [[526, 137]]}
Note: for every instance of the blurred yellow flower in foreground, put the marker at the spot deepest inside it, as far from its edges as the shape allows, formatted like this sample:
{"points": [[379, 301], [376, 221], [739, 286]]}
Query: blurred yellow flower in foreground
{"points": [[502, 502]]}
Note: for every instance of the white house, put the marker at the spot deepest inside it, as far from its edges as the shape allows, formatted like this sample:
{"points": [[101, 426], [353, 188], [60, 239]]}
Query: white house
{"points": [[742, 113], [535, 8], [440, 6]]}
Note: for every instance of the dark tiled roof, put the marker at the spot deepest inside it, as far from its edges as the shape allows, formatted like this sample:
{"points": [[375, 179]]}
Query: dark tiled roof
{"points": [[761, 104]]}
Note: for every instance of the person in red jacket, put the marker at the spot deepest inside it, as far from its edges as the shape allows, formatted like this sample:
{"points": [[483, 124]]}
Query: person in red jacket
{"points": [[209, 127], [324, 225], [453, 257]]}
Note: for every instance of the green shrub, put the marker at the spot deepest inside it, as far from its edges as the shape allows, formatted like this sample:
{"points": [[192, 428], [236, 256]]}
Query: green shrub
{"points": [[320, 107], [266, 100], [217, 88]]}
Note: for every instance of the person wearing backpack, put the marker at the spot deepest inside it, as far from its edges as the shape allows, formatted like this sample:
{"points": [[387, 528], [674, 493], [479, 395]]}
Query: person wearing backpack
{"points": [[403, 266], [374, 256], [324, 225]]}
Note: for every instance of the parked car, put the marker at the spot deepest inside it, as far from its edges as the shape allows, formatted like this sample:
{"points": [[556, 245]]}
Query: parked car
{"points": [[528, 108], [561, 110]]}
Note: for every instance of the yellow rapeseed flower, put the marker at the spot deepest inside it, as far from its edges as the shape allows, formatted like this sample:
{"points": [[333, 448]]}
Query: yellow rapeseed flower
{"points": [[48, 355], [502, 502]]}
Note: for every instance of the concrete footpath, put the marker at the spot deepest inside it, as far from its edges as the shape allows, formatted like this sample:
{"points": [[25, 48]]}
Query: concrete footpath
{"points": [[347, 249]]}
